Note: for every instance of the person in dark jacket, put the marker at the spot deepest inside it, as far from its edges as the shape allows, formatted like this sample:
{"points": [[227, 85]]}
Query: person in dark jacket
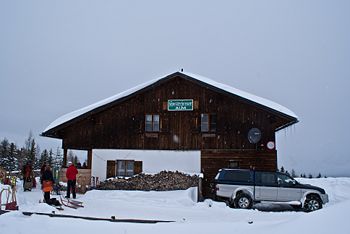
{"points": [[47, 183], [28, 176], [71, 175]]}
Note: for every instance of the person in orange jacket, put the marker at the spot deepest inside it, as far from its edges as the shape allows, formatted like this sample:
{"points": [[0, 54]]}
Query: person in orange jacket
{"points": [[47, 183], [71, 175]]}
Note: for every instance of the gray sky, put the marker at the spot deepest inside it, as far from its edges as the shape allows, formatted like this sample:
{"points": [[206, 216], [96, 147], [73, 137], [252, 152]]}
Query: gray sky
{"points": [[59, 56]]}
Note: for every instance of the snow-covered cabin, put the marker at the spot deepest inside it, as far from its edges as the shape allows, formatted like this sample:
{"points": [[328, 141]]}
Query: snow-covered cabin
{"points": [[182, 122]]}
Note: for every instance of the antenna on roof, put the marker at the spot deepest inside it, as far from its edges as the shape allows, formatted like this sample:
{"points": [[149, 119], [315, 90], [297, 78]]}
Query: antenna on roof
{"points": [[182, 69]]}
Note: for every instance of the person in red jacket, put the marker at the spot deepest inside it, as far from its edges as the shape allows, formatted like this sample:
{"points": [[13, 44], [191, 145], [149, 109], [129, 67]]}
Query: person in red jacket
{"points": [[71, 175]]}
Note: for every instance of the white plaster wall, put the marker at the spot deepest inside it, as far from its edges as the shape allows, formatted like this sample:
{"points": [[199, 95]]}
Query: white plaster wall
{"points": [[153, 161]]}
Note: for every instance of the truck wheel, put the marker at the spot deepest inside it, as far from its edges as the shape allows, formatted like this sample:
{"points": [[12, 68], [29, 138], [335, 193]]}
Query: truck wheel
{"points": [[243, 201], [312, 203]]}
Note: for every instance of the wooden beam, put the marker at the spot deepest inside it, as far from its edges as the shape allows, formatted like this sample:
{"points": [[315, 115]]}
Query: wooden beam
{"points": [[89, 158], [65, 151]]}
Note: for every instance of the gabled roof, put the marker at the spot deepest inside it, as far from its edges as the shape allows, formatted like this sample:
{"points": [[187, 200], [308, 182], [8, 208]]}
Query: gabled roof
{"points": [[101, 105]]}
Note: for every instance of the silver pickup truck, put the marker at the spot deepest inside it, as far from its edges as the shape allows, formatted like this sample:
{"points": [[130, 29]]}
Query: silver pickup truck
{"points": [[242, 188]]}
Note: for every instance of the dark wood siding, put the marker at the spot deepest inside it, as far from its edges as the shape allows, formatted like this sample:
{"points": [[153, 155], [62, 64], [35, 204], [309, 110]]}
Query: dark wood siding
{"points": [[213, 160], [122, 125]]}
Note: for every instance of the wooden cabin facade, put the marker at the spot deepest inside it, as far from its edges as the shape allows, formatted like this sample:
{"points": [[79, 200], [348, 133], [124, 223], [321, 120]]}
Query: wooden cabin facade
{"points": [[181, 112]]}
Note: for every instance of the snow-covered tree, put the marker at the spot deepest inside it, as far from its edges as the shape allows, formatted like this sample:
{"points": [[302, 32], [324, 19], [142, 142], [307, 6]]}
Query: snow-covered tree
{"points": [[58, 158], [44, 157], [12, 158], [8, 155], [50, 158], [4, 152]]}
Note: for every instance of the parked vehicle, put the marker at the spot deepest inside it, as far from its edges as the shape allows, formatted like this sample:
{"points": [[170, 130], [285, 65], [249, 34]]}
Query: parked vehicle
{"points": [[242, 188]]}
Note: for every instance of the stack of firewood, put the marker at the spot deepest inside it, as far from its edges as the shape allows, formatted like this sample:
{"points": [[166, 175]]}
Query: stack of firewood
{"points": [[163, 181]]}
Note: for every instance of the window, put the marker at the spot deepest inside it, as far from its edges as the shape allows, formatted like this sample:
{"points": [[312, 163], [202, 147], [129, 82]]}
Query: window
{"points": [[125, 167], [285, 180], [204, 122], [208, 122], [238, 176], [152, 123], [265, 178]]}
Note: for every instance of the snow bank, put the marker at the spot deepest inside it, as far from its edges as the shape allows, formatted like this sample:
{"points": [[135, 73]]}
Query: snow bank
{"points": [[205, 217], [338, 189]]}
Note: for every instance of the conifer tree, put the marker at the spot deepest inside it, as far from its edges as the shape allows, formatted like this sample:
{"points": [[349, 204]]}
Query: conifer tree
{"points": [[12, 157], [282, 169], [8, 155], [293, 173], [4, 152], [70, 156], [50, 158], [44, 157], [76, 160], [58, 159]]}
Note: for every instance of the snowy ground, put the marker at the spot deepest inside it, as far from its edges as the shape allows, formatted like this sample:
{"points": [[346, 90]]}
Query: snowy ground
{"points": [[189, 216]]}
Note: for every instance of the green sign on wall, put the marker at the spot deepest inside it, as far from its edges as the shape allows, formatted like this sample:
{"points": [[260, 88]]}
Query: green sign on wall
{"points": [[180, 105]]}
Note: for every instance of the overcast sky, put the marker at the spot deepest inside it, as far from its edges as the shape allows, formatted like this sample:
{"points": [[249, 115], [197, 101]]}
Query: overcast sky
{"points": [[59, 56]]}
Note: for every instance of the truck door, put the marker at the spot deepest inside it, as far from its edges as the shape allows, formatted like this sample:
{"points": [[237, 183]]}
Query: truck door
{"points": [[266, 186], [288, 189]]}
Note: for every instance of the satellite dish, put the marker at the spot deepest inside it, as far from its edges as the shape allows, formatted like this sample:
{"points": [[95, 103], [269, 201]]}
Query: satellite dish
{"points": [[254, 135]]}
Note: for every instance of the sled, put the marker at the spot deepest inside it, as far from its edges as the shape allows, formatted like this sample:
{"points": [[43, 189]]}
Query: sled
{"points": [[71, 203], [11, 202], [4, 211], [111, 219], [54, 203]]}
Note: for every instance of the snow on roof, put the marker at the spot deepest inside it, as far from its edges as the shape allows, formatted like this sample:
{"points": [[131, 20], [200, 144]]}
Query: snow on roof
{"points": [[86, 109], [243, 94]]}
